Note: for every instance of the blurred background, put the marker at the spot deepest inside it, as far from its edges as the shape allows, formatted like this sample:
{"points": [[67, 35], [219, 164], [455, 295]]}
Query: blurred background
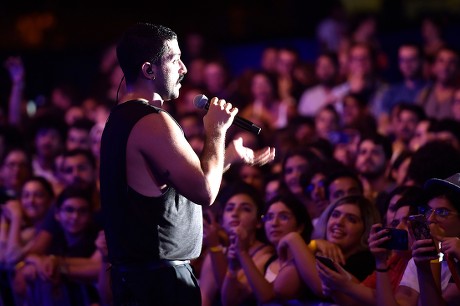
{"points": [[61, 41]]}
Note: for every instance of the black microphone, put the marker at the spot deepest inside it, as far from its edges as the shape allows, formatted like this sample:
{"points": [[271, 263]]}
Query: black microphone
{"points": [[202, 102]]}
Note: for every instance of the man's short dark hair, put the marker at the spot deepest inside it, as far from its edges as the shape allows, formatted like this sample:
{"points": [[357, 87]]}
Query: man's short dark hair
{"points": [[418, 110], [79, 151], [340, 173], [143, 42], [381, 140]]}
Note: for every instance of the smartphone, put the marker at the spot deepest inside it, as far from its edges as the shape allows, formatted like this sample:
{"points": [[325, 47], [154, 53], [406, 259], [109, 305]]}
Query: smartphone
{"points": [[399, 240], [327, 262], [420, 229]]}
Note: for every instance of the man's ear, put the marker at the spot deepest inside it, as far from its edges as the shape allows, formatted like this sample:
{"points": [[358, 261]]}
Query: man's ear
{"points": [[148, 70]]}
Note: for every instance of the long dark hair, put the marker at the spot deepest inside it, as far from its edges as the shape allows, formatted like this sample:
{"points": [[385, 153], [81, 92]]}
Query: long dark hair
{"points": [[298, 211]]}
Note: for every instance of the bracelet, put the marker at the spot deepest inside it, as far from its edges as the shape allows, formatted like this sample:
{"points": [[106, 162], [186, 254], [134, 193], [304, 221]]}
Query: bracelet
{"points": [[216, 249], [313, 246], [383, 270]]}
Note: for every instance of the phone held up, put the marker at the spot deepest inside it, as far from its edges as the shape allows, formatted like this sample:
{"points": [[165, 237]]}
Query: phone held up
{"points": [[420, 229], [399, 239]]}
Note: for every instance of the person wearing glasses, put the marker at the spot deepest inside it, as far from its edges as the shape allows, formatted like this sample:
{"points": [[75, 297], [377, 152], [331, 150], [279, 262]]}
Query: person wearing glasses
{"points": [[423, 284], [63, 275]]}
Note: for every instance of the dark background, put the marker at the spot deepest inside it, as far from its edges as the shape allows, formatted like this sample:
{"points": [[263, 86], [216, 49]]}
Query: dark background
{"points": [[63, 41]]}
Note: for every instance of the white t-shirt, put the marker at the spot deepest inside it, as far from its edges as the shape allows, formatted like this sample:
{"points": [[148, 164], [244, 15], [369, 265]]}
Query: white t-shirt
{"points": [[410, 277], [313, 99]]}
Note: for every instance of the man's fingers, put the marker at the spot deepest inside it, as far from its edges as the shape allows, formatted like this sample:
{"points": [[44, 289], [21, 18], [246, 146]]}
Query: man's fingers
{"points": [[264, 156]]}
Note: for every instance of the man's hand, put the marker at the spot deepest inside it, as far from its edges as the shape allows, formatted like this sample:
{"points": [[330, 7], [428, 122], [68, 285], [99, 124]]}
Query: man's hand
{"points": [[236, 152]]}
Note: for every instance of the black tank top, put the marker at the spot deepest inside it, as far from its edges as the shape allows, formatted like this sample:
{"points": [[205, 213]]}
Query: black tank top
{"points": [[139, 228]]}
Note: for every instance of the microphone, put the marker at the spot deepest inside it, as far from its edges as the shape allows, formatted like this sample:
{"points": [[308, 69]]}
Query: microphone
{"points": [[202, 102]]}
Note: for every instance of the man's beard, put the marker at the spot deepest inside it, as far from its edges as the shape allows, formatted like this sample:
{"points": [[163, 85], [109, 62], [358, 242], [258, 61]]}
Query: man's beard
{"points": [[372, 175]]}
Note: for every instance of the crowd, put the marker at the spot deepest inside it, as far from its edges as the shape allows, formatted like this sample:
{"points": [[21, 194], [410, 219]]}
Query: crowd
{"points": [[356, 156]]}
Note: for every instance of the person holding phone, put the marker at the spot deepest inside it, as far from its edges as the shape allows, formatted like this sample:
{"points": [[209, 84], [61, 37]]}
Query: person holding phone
{"points": [[390, 251], [348, 223], [419, 286]]}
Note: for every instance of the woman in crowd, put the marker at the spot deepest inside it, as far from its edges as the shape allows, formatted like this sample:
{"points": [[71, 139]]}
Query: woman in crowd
{"points": [[347, 222], [345, 292], [21, 219], [294, 166], [241, 211], [19, 224], [291, 274]]}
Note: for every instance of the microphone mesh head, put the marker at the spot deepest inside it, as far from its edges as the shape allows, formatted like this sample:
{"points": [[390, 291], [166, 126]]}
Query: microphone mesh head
{"points": [[200, 101]]}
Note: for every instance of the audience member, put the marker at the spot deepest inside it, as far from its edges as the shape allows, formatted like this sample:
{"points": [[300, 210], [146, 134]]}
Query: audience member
{"points": [[398, 170], [289, 86], [422, 134], [327, 122], [315, 97], [48, 137], [20, 221], [78, 134], [410, 60], [294, 165], [241, 210], [265, 106], [407, 117], [290, 274], [426, 280], [437, 96], [373, 164], [346, 292], [362, 77], [434, 159], [16, 168], [63, 274], [342, 182], [347, 222]]}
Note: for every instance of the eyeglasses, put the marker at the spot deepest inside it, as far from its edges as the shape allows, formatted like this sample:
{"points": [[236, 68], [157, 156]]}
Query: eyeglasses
{"points": [[438, 212], [68, 210], [283, 216]]}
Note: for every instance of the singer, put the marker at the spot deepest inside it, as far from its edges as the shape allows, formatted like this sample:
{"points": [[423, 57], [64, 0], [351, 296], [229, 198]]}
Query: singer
{"points": [[152, 182]]}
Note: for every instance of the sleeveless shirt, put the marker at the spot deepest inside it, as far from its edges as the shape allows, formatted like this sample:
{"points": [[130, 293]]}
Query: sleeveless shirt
{"points": [[139, 228]]}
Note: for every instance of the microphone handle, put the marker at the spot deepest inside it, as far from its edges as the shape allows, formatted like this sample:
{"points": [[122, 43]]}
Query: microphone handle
{"points": [[242, 123], [246, 125]]}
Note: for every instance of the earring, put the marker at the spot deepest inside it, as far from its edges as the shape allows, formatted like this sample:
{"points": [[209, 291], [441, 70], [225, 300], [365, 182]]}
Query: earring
{"points": [[153, 78]]}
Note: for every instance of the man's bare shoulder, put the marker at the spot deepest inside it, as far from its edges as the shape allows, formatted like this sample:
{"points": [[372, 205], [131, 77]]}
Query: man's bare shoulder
{"points": [[160, 124]]}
